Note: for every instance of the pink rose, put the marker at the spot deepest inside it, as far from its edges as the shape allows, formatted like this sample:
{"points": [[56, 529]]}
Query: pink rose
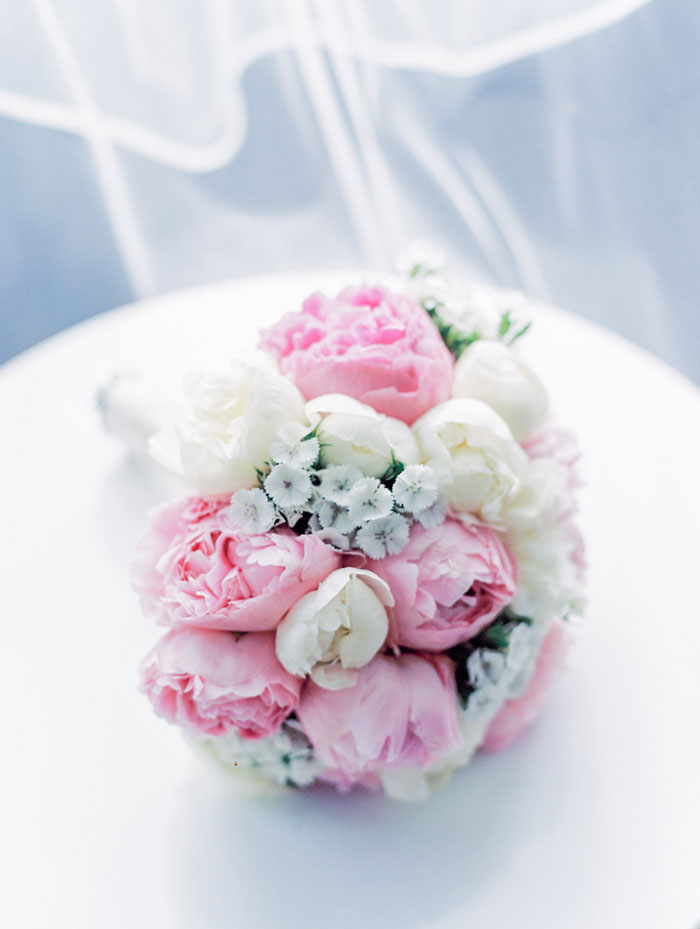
{"points": [[368, 343], [216, 682], [517, 715], [449, 582], [401, 711], [192, 569]]}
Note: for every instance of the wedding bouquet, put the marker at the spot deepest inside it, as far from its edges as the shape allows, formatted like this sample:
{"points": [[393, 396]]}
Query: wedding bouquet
{"points": [[373, 575]]}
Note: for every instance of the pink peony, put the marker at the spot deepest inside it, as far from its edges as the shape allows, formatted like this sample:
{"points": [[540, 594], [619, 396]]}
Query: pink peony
{"points": [[556, 442], [214, 683], [401, 711], [379, 347], [517, 715], [192, 569], [448, 583]]}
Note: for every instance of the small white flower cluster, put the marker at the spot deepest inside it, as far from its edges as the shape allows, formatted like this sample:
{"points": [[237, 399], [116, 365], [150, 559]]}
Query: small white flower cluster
{"points": [[285, 758], [496, 675], [340, 504], [463, 313]]}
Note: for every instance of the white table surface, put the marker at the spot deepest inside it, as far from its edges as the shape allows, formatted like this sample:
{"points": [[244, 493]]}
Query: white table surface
{"points": [[107, 820]]}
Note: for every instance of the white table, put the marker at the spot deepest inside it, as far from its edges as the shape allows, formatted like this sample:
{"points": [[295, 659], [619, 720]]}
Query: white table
{"points": [[593, 822]]}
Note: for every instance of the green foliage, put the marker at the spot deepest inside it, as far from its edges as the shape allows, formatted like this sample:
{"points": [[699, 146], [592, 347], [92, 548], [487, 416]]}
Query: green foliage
{"points": [[458, 341], [392, 472], [506, 327], [455, 340]]}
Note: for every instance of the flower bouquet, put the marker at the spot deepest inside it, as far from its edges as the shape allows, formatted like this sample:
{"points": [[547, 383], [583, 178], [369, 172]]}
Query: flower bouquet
{"points": [[373, 575]]}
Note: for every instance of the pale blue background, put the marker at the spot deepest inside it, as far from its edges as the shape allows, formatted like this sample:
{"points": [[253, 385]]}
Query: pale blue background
{"points": [[594, 147]]}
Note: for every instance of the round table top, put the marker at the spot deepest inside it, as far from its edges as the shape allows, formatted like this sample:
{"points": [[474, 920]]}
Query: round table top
{"points": [[592, 820]]}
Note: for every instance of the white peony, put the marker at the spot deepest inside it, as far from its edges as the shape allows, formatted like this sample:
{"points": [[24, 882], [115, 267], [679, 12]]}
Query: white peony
{"points": [[231, 421], [492, 372], [337, 627], [548, 584], [352, 433], [477, 461]]}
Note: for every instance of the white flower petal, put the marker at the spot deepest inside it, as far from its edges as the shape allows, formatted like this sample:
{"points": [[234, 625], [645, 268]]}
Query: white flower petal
{"points": [[251, 511], [387, 535], [493, 372], [369, 499], [415, 489], [337, 482], [342, 623], [288, 486]]}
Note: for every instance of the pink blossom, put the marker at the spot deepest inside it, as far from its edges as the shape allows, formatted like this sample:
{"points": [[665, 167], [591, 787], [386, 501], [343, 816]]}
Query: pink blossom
{"points": [[193, 569], [449, 582], [401, 711], [217, 682], [556, 442], [517, 715], [379, 347]]}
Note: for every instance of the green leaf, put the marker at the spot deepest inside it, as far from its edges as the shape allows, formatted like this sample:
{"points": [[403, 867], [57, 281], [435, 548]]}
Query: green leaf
{"points": [[505, 324], [455, 339], [520, 332], [392, 472]]}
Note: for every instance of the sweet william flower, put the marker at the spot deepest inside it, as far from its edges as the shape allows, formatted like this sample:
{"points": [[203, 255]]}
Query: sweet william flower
{"points": [[250, 511], [224, 437], [193, 569], [352, 434], [415, 489], [293, 445], [384, 536], [369, 499], [493, 372], [337, 481], [368, 343], [477, 462], [336, 628], [288, 486], [214, 683]]}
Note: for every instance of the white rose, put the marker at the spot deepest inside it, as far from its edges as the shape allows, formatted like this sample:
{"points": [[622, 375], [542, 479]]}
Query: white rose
{"points": [[337, 627], [492, 372], [477, 461], [226, 433], [353, 433]]}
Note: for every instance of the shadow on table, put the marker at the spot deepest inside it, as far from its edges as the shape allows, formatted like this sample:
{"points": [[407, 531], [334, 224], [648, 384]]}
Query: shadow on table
{"points": [[318, 859]]}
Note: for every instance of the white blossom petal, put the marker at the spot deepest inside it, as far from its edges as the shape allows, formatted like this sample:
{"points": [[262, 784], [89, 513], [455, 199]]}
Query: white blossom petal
{"points": [[338, 481], [415, 489], [289, 487], [293, 445], [251, 511], [369, 499], [387, 535]]}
